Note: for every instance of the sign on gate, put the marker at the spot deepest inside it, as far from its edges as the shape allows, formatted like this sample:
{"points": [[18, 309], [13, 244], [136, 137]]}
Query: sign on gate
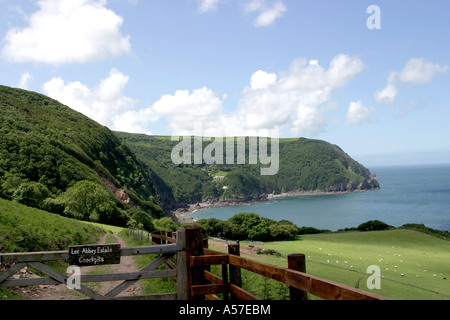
{"points": [[94, 255]]}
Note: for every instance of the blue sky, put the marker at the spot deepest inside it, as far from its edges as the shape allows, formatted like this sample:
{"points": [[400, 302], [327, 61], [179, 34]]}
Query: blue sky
{"points": [[307, 68]]}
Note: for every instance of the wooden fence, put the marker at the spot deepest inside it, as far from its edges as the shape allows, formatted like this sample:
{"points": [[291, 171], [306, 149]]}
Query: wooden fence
{"points": [[202, 283], [195, 281]]}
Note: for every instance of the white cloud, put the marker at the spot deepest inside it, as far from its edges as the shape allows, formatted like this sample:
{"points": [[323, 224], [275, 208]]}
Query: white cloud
{"points": [[262, 79], [416, 71], [342, 68], [298, 99], [390, 92], [184, 108], [358, 113], [419, 71], [102, 103], [25, 80], [107, 104], [134, 121], [295, 99], [67, 31], [205, 6], [266, 14], [387, 95]]}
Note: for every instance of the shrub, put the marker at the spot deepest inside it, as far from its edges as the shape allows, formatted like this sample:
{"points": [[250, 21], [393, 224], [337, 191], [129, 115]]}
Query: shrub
{"points": [[270, 252], [373, 225], [249, 226], [244, 223], [312, 230], [165, 224], [10, 184], [281, 231], [140, 220], [31, 194]]}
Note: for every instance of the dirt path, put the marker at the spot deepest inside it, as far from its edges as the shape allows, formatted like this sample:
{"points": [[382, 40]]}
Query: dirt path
{"points": [[126, 265], [61, 292]]}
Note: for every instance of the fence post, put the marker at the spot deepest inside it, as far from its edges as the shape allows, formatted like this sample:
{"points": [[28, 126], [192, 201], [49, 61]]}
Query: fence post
{"points": [[182, 272], [155, 240], [206, 246], [297, 262], [194, 247], [235, 272]]}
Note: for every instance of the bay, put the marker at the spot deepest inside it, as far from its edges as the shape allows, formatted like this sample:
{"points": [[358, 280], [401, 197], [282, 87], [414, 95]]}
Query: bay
{"points": [[408, 194]]}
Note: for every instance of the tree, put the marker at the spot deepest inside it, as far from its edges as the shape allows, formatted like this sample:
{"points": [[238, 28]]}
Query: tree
{"points": [[140, 219], [10, 184], [165, 224], [211, 227], [259, 233], [88, 201], [244, 222], [31, 194]]}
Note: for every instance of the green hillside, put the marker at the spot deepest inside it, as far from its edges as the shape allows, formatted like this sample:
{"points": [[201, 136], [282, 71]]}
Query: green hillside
{"points": [[48, 150], [304, 165], [24, 229], [56, 159]]}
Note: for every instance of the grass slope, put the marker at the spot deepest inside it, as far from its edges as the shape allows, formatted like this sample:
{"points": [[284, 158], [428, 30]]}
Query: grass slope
{"points": [[25, 229], [423, 260]]}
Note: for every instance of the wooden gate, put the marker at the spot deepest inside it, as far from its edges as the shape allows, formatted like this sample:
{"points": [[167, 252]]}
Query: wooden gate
{"points": [[166, 252]]}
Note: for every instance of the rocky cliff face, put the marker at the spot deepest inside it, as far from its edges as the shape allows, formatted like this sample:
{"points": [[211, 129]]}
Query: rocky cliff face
{"points": [[367, 184]]}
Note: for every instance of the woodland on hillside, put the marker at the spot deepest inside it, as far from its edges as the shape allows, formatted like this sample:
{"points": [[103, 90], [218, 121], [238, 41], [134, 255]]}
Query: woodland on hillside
{"points": [[56, 159]]}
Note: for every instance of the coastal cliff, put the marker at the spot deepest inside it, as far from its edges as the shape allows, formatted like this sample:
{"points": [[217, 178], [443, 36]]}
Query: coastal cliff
{"points": [[305, 166]]}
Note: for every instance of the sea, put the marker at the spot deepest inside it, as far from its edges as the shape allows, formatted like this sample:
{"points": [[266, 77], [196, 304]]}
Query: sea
{"points": [[408, 194]]}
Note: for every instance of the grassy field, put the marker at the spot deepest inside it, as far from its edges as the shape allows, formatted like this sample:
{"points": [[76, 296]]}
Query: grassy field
{"points": [[413, 265], [25, 229]]}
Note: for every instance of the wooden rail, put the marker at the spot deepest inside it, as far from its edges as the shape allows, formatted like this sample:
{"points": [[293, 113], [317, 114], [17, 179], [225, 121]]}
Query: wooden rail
{"points": [[208, 285], [195, 281]]}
